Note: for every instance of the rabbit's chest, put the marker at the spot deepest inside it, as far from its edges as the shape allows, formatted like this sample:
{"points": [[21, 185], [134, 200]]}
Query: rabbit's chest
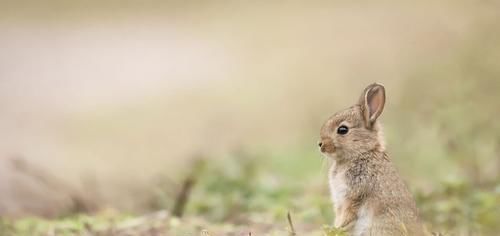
{"points": [[338, 187]]}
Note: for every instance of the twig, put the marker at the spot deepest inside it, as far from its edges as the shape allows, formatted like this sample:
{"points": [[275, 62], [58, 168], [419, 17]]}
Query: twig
{"points": [[187, 185], [291, 231]]}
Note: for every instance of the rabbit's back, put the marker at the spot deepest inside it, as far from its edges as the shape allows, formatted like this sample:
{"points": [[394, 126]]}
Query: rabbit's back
{"points": [[389, 208]]}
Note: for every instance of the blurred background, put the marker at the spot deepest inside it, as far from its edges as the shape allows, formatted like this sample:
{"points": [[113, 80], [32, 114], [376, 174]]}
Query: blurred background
{"points": [[114, 105]]}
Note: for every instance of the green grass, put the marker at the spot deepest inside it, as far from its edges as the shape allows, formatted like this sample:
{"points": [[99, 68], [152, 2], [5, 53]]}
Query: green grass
{"points": [[252, 192]]}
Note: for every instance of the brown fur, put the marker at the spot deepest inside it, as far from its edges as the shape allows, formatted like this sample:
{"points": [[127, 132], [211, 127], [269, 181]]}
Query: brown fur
{"points": [[369, 196]]}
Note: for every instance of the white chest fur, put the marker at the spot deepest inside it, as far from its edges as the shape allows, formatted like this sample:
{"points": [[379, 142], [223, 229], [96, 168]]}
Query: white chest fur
{"points": [[338, 187], [364, 222]]}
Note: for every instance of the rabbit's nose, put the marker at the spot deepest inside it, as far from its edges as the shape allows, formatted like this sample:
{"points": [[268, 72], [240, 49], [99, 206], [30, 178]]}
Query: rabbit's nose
{"points": [[320, 143]]}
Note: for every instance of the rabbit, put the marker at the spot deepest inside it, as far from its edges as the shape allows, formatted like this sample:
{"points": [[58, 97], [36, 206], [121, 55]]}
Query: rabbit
{"points": [[368, 195]]}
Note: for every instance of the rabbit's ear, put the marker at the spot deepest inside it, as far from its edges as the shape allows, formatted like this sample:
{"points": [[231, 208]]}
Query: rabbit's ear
{"points": [[372, 103]]}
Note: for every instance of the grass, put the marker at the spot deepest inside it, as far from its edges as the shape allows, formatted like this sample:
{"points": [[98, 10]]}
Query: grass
{"points": [[251, 193]]}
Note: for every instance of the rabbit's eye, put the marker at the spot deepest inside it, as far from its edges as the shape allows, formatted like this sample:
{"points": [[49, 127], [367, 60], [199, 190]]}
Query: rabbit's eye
{"points": [[342, 129]]}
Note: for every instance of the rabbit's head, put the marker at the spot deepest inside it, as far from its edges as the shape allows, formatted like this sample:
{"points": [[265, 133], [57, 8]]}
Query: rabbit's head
{"points": [[355, 130]]}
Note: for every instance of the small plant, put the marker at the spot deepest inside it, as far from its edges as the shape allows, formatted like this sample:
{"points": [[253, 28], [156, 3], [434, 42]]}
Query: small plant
{"points": [[333, 231]]}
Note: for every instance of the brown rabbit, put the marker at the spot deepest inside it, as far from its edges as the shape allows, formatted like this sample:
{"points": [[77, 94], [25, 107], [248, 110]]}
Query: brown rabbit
{"points": [[369, 196]]}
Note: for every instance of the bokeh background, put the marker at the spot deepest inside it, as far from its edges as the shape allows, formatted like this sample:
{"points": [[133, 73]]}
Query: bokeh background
{"points": [[109, 106]]}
